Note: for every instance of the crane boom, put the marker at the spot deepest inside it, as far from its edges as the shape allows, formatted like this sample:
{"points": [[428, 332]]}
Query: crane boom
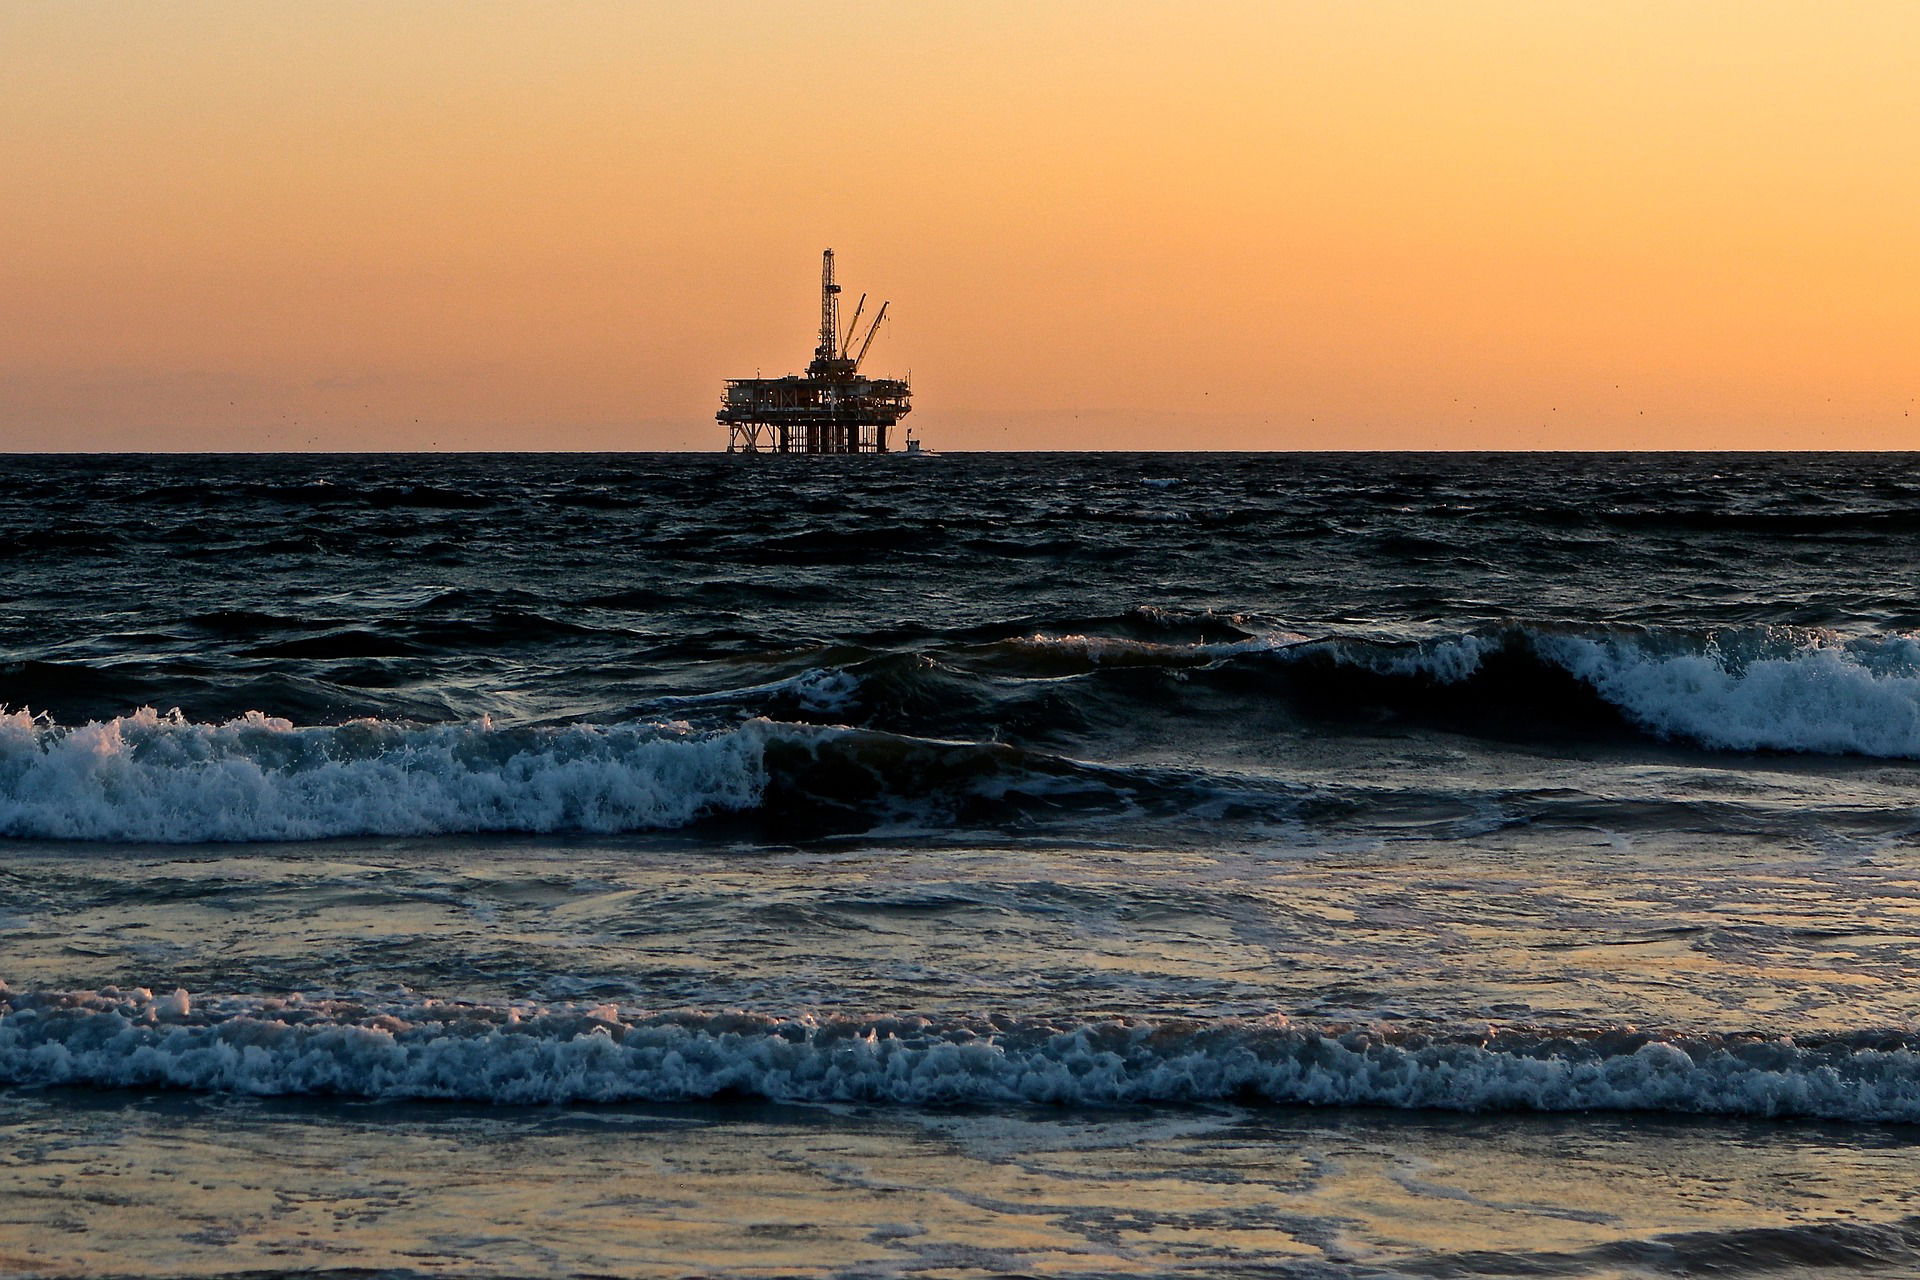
{"points": [[870, 332], [846, 343]]}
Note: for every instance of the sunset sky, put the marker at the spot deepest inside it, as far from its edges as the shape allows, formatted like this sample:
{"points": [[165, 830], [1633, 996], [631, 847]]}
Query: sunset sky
{"points": [[1268, 225]]}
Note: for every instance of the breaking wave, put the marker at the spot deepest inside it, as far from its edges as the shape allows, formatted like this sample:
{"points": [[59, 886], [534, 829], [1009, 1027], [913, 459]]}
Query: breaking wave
{"points": [[566, 1054], [163, 778], [1859, 697], [1743, 689], [1781, 689], [987, 734]]}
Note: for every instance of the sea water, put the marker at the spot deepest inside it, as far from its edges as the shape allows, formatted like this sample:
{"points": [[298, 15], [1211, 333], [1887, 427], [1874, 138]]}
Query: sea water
{"points": [[1310, 866]]}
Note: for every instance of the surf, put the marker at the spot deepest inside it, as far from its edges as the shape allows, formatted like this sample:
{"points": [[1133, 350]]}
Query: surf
{"points": [[569, 1054]]}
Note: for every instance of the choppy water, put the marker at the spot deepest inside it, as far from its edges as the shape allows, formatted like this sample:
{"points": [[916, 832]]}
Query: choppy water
{"points": [[985, 808]]}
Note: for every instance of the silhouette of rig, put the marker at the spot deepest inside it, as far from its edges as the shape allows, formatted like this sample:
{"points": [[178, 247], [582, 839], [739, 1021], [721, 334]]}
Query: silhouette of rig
{"points": [[831, 408]]}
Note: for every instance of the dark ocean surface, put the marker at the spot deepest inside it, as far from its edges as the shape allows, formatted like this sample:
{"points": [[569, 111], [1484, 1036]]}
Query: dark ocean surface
{"points": [[1324, 865]]}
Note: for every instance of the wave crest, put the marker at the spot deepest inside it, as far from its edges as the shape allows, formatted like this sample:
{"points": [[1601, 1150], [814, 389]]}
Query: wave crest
{"points": [[153, 777], [1754, 688], [1762, 688], [566, 1054], [1811, 692]]}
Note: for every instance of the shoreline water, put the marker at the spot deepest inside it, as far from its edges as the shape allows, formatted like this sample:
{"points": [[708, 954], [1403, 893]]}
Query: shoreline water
{"points": [[173, 1185], [764, 844]]}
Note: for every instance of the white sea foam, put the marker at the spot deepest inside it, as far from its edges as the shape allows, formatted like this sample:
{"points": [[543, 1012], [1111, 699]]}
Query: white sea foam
{"points": [[150, 777], [826, 689], [601, 1054], [1775, 689], [163, 778], [1820, 695]]}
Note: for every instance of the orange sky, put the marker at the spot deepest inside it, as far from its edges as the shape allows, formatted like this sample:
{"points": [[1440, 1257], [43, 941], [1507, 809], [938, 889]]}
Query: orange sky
{"points": [[1456, 224]]}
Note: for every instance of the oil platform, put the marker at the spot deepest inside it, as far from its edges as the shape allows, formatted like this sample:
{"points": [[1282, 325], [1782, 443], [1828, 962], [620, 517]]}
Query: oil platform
{"points": [[832, 408]]}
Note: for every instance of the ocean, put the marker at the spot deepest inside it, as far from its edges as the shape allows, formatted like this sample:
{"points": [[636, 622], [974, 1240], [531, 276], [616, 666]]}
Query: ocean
{"points": [[1076, 865]]}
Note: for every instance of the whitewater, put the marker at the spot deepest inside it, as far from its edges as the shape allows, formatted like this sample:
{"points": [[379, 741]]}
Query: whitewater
{"points": [[527, 1055], [146, 776], [1318, 866]]}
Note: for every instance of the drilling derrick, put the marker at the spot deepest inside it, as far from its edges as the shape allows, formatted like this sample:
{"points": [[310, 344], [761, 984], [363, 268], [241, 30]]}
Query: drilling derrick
{"points": [[832, 407], [829, 309]]}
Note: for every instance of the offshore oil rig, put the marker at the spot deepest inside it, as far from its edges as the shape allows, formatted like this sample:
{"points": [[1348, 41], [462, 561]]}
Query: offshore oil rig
{"points": [[831, 408]]}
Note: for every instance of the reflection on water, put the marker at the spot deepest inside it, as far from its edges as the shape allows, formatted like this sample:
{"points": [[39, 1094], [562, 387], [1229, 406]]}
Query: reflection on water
{"points": [[172, 1186]]}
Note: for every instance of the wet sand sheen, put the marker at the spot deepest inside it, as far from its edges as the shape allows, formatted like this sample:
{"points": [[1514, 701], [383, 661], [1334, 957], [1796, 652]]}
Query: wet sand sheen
{"points": [[167, 1185]]}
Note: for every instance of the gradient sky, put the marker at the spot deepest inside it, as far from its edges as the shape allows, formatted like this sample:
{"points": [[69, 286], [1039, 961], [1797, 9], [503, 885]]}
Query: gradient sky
{"points": [[1457, 224]]}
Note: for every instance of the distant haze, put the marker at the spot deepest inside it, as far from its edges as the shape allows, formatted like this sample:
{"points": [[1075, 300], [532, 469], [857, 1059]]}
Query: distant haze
{"points": [[1264, 225]]}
